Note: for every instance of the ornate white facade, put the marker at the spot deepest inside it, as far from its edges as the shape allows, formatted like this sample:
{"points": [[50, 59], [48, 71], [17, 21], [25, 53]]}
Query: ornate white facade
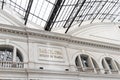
{"points": [[31, 54], [41, 55]]}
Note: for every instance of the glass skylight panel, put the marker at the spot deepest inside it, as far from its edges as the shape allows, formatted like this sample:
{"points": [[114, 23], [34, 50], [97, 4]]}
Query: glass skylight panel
{"points": [[65, 13], [30, 17], [41, 11], [115, 9], [95, 6], [105, 7], [66, 2], [60, 14], [34, 6], [70, 2], [52, 1]]}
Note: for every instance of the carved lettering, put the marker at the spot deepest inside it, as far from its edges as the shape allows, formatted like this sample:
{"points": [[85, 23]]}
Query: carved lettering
{"points": [[54, 54]]}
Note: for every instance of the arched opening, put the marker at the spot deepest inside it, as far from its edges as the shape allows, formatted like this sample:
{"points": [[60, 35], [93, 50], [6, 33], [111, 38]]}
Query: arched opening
{"points": [[117, 64], [19, 57], [110, 65], [84, 59], [6, 53], [85, 63], [10, 56]]}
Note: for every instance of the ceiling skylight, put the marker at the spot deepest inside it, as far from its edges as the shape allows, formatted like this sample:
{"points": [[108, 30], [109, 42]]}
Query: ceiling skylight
{"points": [[62, 14]]}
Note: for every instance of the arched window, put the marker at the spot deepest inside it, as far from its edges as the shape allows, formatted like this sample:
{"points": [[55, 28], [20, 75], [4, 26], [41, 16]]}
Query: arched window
{"points": [[10, 56], [85, 63], [6, 53], [110, 65], [117, 64], [19, 57]]}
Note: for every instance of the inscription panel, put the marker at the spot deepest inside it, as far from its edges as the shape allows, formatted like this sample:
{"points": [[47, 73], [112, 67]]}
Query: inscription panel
{"points": [[50, 53]]}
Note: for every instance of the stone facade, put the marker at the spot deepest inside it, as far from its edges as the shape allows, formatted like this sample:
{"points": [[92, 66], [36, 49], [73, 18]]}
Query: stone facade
{"points": [[51, 56]]}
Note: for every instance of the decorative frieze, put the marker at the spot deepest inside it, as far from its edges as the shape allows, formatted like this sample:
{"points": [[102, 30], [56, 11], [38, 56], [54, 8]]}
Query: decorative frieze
{"points": [[65, 38]]}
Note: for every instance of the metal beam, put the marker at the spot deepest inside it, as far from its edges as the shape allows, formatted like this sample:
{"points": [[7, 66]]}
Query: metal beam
{"points": [[28, 11], [69, 23], [3, 4], [53, 15]]}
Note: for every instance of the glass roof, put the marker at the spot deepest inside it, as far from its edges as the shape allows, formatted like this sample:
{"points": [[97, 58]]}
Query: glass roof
{"points": [[63, 14]]}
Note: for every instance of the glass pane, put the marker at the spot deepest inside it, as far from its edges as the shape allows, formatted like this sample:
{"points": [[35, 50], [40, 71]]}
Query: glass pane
{"points": [[109, 63], [6, 55], [84, 60]]}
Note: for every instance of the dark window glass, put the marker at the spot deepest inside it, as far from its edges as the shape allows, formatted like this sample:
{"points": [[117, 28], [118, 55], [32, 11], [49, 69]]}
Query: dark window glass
{"points": [[84, 60], [76, 61], [6, 54], [109, 63]]}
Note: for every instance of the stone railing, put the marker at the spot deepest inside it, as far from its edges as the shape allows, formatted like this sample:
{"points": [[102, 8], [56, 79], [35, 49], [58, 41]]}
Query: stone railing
{"points": [[12, 64], [97, 70], [114, 71], [85, 69]]}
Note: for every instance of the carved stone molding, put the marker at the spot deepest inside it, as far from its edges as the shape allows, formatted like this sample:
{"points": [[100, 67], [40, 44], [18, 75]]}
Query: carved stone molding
{"points": [[57, 37]]}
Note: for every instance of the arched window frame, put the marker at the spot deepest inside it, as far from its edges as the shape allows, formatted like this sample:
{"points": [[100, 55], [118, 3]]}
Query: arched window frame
{"points": [[11, 53], [110, 65], [92, 65]]}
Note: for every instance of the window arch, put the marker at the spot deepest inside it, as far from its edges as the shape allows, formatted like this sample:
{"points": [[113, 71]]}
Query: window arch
{"points": [[7, 53], [85, 63], [19, 57], [110, 65], [10, 56]]}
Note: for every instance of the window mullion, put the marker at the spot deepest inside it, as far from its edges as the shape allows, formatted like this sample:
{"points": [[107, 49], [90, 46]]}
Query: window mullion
{"points": [[115, 65], [81, 65], [107, 66], [91, 63], [14, 54]]}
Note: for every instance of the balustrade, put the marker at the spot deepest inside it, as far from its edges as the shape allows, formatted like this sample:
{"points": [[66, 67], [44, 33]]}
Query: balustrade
{"points": [[11, 64], [89, 69]]}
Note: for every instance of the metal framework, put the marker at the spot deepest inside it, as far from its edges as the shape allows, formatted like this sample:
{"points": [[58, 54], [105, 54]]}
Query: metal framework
{"points": [[74, 14], [54, 15], [28, 11], [3, 4]]}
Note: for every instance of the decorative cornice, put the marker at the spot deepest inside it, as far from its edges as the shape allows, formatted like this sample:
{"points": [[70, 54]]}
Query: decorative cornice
{"points": [[57, 37]]}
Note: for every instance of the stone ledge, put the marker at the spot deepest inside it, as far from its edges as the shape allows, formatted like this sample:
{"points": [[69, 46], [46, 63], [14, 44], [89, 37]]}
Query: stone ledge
{"points": [[65, 73], [57, 37]]}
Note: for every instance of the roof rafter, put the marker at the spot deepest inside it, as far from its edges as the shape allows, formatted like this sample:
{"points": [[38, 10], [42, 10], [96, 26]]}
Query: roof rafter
{"points": [[74, 14], [28, 11], [53, 15], [3, 4]]}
